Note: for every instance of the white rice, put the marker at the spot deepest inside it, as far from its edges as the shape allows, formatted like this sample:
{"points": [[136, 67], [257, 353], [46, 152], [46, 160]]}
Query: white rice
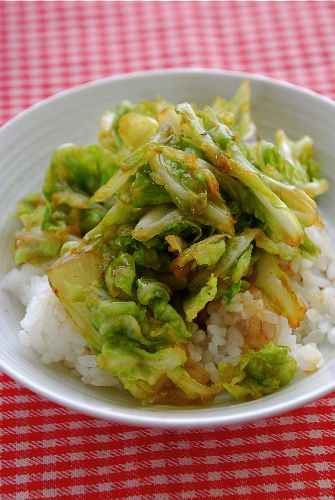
{"points": [[248, 322], [47, 328], [245, 323]]}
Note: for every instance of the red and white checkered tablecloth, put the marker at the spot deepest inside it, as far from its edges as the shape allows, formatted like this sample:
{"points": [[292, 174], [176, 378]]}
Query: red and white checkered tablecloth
{"points": [[48, 451]]}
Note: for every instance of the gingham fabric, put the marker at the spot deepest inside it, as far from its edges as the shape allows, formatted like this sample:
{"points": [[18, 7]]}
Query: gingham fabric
{"points": [[51, 452]]}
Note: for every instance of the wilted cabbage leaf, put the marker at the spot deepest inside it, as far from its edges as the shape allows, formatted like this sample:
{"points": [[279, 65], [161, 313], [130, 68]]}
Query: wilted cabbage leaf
{"points": [[259, 372], [176, 206]]}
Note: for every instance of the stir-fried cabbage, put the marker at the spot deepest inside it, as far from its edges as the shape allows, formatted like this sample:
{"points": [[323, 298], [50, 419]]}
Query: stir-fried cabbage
{"points": [[177, 206]]}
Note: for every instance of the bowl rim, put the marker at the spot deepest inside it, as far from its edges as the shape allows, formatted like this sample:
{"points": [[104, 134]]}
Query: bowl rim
{"points": [[177, 418], [161, 72]]}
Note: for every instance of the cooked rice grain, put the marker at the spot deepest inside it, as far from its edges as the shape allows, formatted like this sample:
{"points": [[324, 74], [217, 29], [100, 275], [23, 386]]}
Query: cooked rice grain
{"points": [[248, 323], [48, 329]]}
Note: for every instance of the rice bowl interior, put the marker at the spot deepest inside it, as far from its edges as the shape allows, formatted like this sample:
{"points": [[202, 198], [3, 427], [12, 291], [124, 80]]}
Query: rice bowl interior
{"points": [[53, 381]]}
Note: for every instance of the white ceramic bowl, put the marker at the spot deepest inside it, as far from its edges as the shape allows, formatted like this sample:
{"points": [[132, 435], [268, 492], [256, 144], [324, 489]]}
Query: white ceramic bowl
{"points": [[26, 143]]}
